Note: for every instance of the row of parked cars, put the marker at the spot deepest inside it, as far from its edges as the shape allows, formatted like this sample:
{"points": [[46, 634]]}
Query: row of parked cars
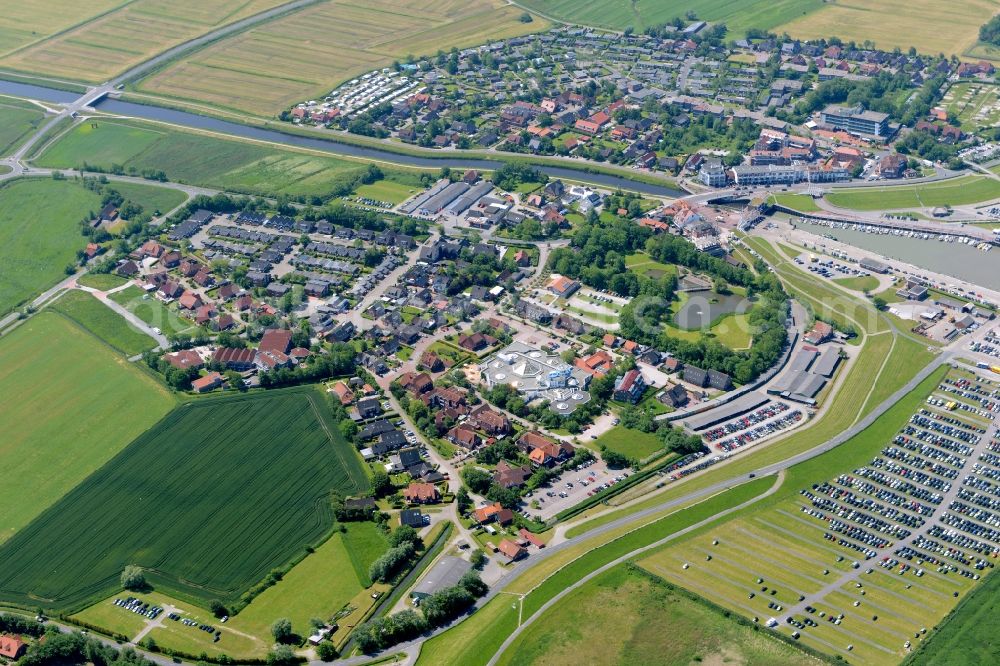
{"points": [[139, 607]]}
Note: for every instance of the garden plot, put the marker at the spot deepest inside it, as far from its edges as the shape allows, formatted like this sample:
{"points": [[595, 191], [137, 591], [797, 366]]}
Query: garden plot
{"points": [[863, 565], [976, 105]]}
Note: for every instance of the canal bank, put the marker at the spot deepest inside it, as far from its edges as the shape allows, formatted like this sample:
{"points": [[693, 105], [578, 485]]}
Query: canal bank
{"points": [[956, 259], [196, 121]]}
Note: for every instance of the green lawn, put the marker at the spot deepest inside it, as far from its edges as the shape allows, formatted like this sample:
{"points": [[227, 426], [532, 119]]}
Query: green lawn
{"points": [[85, 310], [387, 190], [39, 235], [320, 585], [154, 199], [640, 262], [17, 119], [800, 202], [632, 443], [101, 281], [859, 283], [954, 192], [624, 616], [732, 330], [93, 404], [215, 495], [151, 311], [200, 159]]}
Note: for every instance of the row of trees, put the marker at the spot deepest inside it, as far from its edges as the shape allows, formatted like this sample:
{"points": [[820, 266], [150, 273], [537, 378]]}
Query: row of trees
{"points": [[437, 610]]}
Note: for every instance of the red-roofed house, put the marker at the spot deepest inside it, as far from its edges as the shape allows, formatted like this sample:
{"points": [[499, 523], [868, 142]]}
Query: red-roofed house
{"points": [[511, 550], [12, 647], [212, 380], [421, 493], [184, 359], [562, 286], [598, 363], [276, 339], [344, 394]]}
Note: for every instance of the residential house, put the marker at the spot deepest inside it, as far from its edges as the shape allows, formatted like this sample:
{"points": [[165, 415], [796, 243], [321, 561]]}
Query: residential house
{"points": [[629, 387], [508, 476], [421, 493], [489, 421], [209, 382], [511, 550], [184, 359], [276, 339]]}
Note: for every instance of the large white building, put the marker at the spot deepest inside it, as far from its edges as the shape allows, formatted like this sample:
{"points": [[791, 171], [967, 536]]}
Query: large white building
{"points": [[536, 374]]}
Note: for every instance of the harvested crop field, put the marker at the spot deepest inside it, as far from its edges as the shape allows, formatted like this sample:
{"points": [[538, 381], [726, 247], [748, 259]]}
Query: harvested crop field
{"points": [[112, 42], [31, 21], [309, 52], [933, 27], [209, 500]]}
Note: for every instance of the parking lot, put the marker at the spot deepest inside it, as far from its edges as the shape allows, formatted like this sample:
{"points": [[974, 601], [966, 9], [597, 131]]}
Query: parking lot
{"points": [[759, 424], [572, 487], [830, 268], [862, 564]]}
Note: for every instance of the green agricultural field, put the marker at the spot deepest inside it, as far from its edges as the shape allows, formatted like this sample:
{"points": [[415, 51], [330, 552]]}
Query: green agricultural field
{"points": [[619, 14], [94, 404], [800, 202], [17, 119], [307, 53], [860, 283], [86, 311], [151, 197], [101, 281], [632, 443], [967, 636], [152, 311], [218, 493], [951, 192], [94, 51], [932, 27], [39, 235], [624, 616], [200, 159]]}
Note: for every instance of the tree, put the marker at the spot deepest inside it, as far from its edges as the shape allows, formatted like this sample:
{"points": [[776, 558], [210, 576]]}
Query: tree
{"points": [[326, 651], [879, 303], [405, 534], [281, 656], [478, 480], [317, 623], [526, 18], [133, 578], [478, 559], [381, 483], [281, 630], [463, 501], [614, 459], [218, 608]]}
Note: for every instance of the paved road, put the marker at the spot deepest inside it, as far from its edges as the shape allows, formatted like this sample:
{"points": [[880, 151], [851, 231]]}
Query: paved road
{"points": [[103, 297]]}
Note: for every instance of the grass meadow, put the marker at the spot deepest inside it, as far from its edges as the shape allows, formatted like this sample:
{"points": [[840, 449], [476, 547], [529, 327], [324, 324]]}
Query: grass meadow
{"points": [[933, 27], [800, 202], [101, 281], [152, 311], [219, 492], [859, 283], [151, 197], [17, 119], [38, 235], [632, 443], [95, 317], [94, 404], [198, 159], [307, 53], [624, 616], [953, 192], [111, 42], [620, 14]]}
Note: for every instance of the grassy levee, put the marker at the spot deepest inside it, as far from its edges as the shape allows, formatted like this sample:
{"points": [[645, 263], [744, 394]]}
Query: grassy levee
{"points": [[953, 192], [800, 202], [104, 323], [39, 235], [219, 492], [473, 641], [93, 404]]}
